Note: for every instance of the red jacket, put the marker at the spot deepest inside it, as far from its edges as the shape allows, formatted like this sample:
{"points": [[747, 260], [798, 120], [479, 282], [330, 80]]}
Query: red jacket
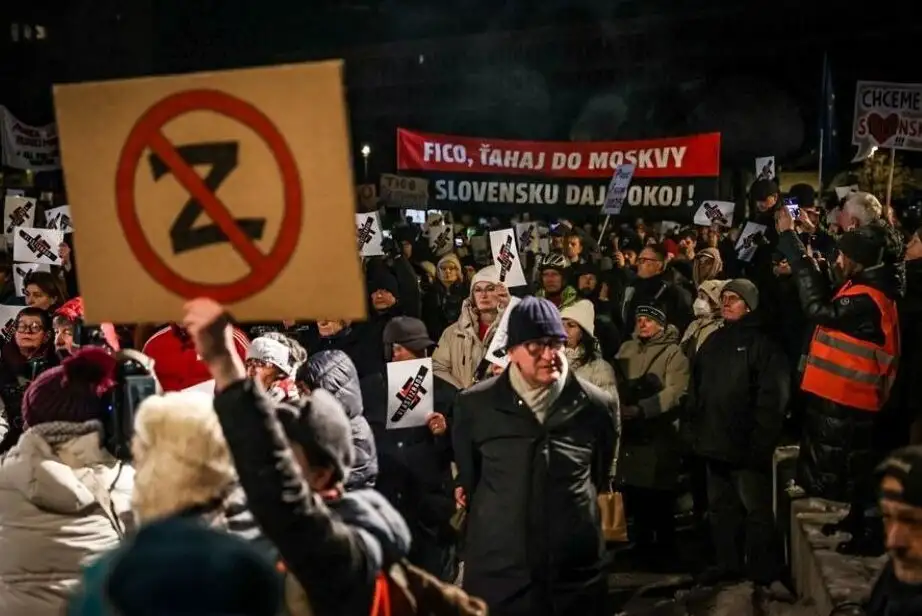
{"points": [[177, 365]]}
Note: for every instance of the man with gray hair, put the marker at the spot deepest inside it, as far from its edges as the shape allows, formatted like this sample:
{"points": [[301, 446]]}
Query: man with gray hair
{"points": [[859, 210]]}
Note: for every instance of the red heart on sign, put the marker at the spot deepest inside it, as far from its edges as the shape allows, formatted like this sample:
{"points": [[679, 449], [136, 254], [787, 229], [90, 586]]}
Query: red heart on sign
{"points": [[882, 128]]}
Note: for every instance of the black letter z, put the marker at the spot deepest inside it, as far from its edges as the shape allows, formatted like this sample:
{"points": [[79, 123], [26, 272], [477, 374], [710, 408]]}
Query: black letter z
{"points": [[223, 160]]}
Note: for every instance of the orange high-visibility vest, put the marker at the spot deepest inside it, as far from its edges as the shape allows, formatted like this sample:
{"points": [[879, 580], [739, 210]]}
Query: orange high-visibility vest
{"points": [[854, 372]]}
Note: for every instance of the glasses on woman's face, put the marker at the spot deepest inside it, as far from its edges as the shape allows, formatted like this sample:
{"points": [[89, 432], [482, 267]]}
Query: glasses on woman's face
{"points": [[537, 347], [257, 363], [29, 328]]}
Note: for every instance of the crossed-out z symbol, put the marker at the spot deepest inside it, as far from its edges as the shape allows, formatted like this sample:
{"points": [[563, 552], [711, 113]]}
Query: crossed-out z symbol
{"points": [[410, 394], [365, 232], [38, 245], [527, 234], [714, 214], [61, 221], [222, 156], [18, 216], [505, 258], [750, 241], [442, 239], [7, 332]]}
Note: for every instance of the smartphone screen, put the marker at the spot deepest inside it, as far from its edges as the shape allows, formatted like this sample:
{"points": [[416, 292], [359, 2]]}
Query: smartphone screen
{"points": [[792, 205], [459, 242]]}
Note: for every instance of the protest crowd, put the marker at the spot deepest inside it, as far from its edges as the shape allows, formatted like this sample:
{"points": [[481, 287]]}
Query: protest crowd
{"points": [[530, 402]]}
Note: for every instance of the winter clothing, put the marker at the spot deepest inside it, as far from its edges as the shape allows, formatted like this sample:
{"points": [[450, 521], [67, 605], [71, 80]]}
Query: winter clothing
{"points": [[654, 313], [334, 548], [460, 350], [862, 246], [334, 372], [16, 372], [534, 540], [441, 303], [534, 318], [409, 333], [746, 290], [891, 597], [176, 363], [583, 313], [585, 359], [654, 377], [676, 301], [63, 500], [179, 565], [71, 392], [707, 265], [272, 352]]}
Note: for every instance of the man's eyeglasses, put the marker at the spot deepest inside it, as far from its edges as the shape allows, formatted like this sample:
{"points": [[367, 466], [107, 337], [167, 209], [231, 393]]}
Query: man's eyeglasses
{"points": [[537, 347], [646, 260], [29, 329]]}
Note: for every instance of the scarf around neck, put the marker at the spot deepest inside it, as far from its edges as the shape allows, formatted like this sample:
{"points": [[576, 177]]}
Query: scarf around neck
{"points": [[538, 399]]}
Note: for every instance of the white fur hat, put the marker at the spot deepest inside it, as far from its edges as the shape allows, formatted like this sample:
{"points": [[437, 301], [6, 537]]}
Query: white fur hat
{"points": [[583, 312]]}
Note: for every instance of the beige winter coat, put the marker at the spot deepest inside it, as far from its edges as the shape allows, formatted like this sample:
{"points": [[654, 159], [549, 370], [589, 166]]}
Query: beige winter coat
{"points": [[598, 372], [698, 332], [59, 507], [460, 349], [661, 358]]}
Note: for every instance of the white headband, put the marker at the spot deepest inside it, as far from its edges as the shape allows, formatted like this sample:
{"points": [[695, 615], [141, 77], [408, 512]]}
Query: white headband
{"points": [[272, 352]]}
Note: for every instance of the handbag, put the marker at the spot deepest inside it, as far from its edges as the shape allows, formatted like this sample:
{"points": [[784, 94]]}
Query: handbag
{"points": [[614, 523]]}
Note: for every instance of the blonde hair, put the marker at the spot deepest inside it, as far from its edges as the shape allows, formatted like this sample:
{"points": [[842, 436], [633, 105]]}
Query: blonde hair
{"points": [[180, 456]]}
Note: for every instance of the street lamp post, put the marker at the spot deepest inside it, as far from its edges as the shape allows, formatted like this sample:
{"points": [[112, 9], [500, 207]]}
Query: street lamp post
{"points": [[366, 152]]}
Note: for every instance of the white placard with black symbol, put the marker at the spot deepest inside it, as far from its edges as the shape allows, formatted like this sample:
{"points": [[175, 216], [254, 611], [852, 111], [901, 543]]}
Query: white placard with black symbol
{"points": [[715, 213], [410, 395], [749, 241], [8, 322], [526, 236], [368, 234], [34, 245], [506, 258], [21, 270], [441, 239], [765, 168], [496, 354], [59, 218], [17, 212]]}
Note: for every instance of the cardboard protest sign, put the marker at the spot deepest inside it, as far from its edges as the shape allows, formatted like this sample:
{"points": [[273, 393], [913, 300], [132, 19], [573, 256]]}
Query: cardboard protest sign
{"points": [[410, 395], [844, 191], [404, 192], [617, 190], [59, 218], [506, 258], [8, 322], [749, 241], [765, 168], [715, 213], [496, 353], [229, 185], [368, 234], [887, 115], [21, 270], [526, 236], [441, 239], [17, 212], [32, 245]]}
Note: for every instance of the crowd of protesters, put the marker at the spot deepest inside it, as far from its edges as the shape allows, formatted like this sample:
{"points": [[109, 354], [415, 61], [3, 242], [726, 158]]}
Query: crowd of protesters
{"points": [[650, 362]]}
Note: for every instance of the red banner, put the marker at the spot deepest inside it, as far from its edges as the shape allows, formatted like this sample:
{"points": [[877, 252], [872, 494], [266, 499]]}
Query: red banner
{"points": [[673, 157]]}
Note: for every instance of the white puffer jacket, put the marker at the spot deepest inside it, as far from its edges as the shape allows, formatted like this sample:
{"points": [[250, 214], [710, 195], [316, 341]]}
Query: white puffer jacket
{"points": [[52, 518]]}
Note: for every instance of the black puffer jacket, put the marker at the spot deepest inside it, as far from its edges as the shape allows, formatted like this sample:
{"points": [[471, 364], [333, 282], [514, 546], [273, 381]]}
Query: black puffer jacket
{"points": [[836, 444], [334, 372], [737, 396]]}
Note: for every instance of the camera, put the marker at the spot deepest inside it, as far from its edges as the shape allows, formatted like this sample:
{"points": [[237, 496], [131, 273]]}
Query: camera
{"points": [[134, 382]]}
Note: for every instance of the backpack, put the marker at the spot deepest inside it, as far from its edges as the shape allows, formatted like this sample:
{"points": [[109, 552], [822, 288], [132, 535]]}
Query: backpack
{"points": [[403, 589]]}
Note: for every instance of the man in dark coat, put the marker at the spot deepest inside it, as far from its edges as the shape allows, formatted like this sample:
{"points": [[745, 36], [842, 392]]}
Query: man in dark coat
{"points": [[652, 286], [415, 463], [534, 446], [737, 395]]}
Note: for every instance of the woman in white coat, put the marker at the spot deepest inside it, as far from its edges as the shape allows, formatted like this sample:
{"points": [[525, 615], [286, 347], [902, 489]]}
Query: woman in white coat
{"points": [[63, 498], [582, 350]]}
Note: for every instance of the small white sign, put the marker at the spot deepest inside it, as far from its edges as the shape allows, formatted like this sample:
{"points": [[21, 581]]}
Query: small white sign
{"points": [[526, 236], [765, 168], [715, 213], [21, 270], [617, 189], [17, 212], [506, 258], [496, 353], [8, 322], [749, 241], [59, 218], [844, 191], [410, 396], [441, 239], [34, 245], [368, 234]]}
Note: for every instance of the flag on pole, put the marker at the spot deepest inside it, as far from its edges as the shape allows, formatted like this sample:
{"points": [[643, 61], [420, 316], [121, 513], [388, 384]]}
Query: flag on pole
{"points": [[828, 130]]}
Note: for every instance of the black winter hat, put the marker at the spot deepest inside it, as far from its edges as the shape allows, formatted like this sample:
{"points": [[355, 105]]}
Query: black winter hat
{"points": [[804, 194], [534, 318], [407, 332], [865, 246], [904, 465], [382, 278], [652, 311], [745, 288], [763, 189], [180, 566]]}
